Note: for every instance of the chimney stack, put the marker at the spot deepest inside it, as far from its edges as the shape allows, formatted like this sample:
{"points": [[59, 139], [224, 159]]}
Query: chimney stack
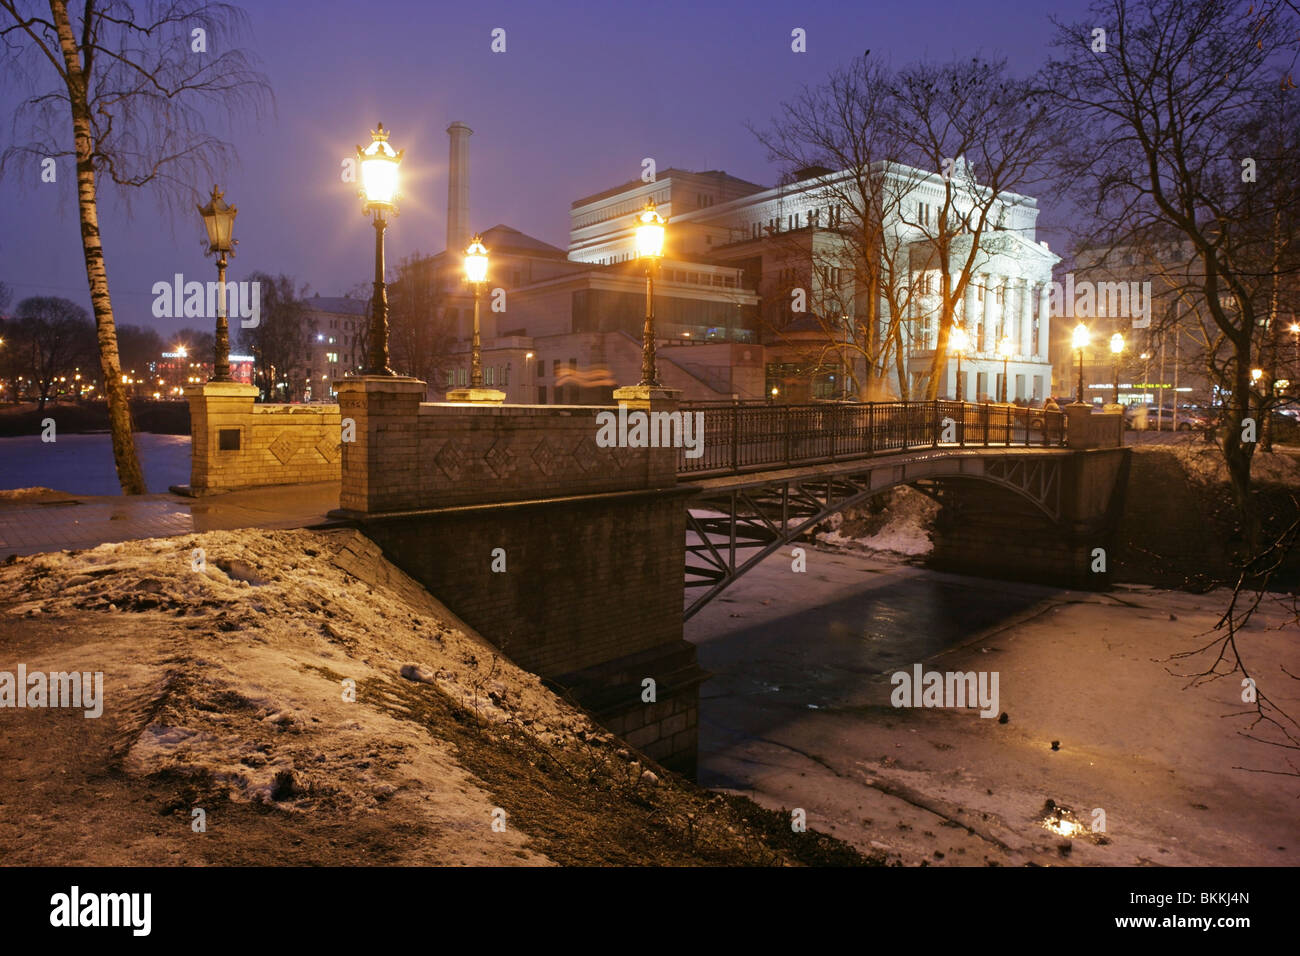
{"points": [[458, 188]]}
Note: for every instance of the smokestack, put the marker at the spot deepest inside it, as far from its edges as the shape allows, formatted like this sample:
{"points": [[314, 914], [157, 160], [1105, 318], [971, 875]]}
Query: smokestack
{"points": [[458, 188]]}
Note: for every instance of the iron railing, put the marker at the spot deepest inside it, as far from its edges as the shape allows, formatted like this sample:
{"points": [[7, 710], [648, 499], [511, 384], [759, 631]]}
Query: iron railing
{"points": [[740, 438]]}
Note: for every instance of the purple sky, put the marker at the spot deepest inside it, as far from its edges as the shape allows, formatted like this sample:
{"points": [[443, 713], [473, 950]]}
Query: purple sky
{"points": [[583, 92]]}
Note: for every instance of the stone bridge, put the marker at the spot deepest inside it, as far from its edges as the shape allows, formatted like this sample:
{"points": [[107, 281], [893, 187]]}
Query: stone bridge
{"points": [[568, 555]]}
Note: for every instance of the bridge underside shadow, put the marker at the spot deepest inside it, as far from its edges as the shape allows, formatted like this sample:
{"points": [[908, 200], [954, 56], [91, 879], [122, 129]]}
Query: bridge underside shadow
{"points": [[1025, 514]]}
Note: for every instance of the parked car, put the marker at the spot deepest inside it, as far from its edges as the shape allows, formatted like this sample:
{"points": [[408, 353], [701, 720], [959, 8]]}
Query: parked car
{"points": [[1144, 417]]}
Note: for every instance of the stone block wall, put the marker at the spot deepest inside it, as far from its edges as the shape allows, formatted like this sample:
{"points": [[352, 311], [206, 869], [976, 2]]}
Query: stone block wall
{"points": [[567, 556], [237, 443]]}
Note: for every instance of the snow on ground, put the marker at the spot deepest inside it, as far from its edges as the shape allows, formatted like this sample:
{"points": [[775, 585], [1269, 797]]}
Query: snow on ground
{"points": [[902, 527], [226, 660], [799, 713], [260, 717], [1203, 461]]}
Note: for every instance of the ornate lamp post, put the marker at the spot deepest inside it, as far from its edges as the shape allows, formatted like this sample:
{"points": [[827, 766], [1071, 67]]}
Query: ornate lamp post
{"points": [[649, 249], [1080, 340], [379, 164], [1004, 349], [219, 221], [960, 342], [1116, 348], [476, 265]]}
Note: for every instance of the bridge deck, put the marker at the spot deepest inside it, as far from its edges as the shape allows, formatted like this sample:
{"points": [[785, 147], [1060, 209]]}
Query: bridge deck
{"points": [[960, 456], [739, 439]]}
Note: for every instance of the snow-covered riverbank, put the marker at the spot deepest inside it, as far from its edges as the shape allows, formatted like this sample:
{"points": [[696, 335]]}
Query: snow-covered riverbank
{"points": [[798, 714]]}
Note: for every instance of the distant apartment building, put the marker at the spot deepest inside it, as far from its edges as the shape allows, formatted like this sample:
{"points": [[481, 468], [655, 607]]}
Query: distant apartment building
{"points": [[336, 328]]}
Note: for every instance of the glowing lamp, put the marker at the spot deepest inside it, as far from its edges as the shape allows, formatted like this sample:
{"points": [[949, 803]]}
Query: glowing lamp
{"points": [[476, 260]]}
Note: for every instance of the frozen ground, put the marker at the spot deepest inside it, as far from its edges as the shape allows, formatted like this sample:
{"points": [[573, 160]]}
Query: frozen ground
{"points": [[799, 714]]}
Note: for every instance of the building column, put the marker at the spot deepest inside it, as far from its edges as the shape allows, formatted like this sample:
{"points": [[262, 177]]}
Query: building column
{"points": [[989, 325], [1044, 319], [968, 310], [1026, 345]]}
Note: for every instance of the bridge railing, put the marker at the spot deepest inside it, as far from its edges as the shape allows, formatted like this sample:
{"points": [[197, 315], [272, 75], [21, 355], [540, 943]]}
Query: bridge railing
{"points": [[753, 437]]}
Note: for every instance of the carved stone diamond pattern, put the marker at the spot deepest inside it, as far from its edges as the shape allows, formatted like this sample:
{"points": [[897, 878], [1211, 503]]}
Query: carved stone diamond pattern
{"points": [[585, 453], [328, 449], [546, 457], [282, 448], [500, 458], [618, 455], [452, 458]]}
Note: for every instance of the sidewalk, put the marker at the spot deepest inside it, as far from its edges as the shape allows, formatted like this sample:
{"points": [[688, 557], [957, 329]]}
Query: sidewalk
{"points": [[74, 522]]}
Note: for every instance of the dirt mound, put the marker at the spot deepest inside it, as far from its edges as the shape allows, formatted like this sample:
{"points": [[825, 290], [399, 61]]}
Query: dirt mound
{"points": [[315, 705]]}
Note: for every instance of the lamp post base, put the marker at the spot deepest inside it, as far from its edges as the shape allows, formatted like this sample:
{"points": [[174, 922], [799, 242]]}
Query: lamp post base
{"points": [[477, 396], [643, 396]]}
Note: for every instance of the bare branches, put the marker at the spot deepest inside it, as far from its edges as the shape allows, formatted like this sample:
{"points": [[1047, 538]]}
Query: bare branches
{"points": [[153, 83]]}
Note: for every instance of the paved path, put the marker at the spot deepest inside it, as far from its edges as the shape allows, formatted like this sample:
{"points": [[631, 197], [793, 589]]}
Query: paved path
{"points": [[70, 522]]}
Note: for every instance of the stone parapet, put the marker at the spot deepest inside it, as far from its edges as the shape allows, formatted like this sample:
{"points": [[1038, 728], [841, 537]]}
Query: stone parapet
{"points": [[237, 443]]}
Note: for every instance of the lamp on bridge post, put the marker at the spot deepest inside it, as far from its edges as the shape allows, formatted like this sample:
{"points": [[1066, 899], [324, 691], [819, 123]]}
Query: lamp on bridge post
{"points": [[1004, 349], [649, 249], [1080, 341], [219, 221], [379, 164], [1116, 348], [960, 342], [476, 265]]}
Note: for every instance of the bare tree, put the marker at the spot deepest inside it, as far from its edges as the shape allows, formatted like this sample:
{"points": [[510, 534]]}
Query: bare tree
{"points": [[839, 135], [280, 342], [873, 139], [987, 134], [419, 334], [52, 336], [1164, 138], [121, 92]]}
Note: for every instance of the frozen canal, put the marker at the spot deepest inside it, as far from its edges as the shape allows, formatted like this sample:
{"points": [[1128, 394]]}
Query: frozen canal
{"points": [[83, 464], [798, 714]]}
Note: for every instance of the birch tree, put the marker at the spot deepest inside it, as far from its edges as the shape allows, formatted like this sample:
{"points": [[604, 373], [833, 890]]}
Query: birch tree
{"points": [[127, 92]]}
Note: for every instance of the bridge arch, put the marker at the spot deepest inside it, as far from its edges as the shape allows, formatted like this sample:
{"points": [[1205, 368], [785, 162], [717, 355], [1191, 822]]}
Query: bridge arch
{"points": [[735, 523]]}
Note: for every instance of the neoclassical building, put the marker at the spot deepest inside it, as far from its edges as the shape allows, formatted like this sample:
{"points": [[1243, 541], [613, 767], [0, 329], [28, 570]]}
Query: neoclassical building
{"points": [[793, 236], [754, 288]]}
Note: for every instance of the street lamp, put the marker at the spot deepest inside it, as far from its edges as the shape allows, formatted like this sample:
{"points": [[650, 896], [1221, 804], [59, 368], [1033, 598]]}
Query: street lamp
{"points": [[476, 266], [650, 249], [379, 164], [1080, 340], [960, 342], [219, 220], [1004, 349], [1116, 347]]}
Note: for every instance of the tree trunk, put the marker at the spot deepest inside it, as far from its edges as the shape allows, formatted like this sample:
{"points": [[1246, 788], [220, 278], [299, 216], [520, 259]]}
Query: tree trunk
{"points": [[129, 474], [1237, 453]]}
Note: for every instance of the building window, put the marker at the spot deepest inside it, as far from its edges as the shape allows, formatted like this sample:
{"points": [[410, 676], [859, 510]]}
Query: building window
{"points": [[490, 375], [331, 356], [541, 394]]}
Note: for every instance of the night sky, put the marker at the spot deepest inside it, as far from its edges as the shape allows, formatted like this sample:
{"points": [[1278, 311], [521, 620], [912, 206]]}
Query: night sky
{"points": [[583, 92]]}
